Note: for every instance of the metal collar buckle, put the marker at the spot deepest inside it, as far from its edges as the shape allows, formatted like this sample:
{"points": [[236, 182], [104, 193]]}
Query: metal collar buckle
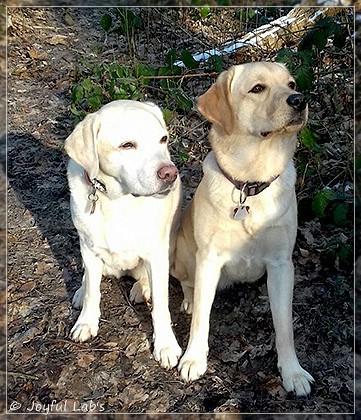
{"points": [[96, 185]]}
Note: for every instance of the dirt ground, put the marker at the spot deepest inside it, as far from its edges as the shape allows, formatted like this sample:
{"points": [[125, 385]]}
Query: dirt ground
{"points": [[115, 372]]}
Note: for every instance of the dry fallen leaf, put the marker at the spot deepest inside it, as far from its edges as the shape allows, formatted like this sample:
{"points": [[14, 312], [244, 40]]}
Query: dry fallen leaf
{"points": [[42, 267], [37, 54], [27, 286], [84, 359], [132, 395], [68, 19], [110, 358], [304, 252], [58, 39], [275, 388]]}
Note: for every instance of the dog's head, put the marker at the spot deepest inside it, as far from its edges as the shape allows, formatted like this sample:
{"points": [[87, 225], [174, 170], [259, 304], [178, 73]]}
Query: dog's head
{"points": [[258, 99], [128, 141]]}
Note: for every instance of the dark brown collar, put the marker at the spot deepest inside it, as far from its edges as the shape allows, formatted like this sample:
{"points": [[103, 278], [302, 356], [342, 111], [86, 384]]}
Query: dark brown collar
{"points": [[248, 188]]}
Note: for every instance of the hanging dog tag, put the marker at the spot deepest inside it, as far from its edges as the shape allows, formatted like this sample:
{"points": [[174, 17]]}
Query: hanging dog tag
{"points": [[93, 198], [240, 213]]}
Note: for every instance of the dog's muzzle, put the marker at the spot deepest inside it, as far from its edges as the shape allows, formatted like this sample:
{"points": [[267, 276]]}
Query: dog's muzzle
{"points": [[167, 174]]}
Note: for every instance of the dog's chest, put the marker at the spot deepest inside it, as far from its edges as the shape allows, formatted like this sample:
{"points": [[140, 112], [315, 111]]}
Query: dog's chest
{"points": [[121, 237], [119, 249], [246, 257], [250, 247]]}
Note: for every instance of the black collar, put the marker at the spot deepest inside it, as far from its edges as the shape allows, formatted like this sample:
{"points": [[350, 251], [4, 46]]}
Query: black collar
{"points": [[95, 183]]}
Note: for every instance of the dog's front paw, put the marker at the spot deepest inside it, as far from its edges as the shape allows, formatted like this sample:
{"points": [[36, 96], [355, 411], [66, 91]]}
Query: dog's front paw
{"points": [[78, 297], [140, 292], [167, 352], [192, 368], [82, 331], [297, 381]]}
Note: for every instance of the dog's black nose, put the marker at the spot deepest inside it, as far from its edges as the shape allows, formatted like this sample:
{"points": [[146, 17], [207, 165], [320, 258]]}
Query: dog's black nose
{"points": [[297, 101]]}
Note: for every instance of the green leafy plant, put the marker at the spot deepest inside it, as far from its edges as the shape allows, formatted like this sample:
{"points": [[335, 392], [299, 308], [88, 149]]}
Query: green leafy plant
{"points": [[300, 64], [319, 35], [200, 13], [205, 11], [86, 95], [246, 14], [303, 61], [215, 63], [127, 21], [124, 22], [335, 206], [107, 82], [188, 60], [106, 22], [308, 138], [338, 250], [97, 84]]}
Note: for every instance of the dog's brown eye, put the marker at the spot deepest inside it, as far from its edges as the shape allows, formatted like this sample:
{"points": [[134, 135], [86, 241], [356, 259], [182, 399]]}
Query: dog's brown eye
{"points": [[163, 140], [292, 85], [128, 145], [257, 89]]}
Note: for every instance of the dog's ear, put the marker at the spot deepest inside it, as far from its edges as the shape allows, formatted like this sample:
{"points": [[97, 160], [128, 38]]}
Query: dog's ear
{"points": [[157, 113], [216, 104], [81, 145]]}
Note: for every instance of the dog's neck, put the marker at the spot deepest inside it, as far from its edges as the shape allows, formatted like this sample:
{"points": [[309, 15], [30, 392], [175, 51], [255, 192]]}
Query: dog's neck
{"points": [[104, 185], [250, 158], [248, 188]]}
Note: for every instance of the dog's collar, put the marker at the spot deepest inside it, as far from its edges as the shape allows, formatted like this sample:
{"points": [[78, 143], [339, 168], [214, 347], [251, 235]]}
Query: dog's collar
{"points": [[96, 185], [247, 189]]}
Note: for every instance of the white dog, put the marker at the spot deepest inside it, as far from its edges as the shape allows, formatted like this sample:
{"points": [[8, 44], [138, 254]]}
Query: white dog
{"points": [[125, 196], [242, 221]]}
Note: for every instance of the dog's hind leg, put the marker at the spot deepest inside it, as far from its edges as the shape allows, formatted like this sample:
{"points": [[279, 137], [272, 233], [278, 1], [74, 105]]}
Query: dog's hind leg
{"points": [[78, 297], [140, 291], [184, 271], [188, 293]]}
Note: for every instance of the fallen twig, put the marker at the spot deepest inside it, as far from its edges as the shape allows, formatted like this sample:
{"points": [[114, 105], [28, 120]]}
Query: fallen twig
{"points": [[180, 76], [19, 375]]}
